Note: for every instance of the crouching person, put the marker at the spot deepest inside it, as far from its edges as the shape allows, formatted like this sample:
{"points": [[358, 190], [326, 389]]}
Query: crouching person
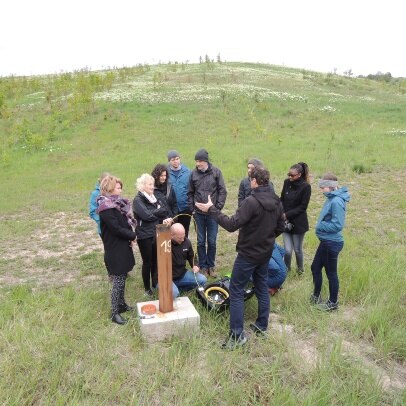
{"points": [[277, 269], [182, 252]]}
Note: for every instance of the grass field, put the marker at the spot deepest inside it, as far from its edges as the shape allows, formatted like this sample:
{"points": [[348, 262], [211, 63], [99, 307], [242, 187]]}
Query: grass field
{"points": [[58, 133]]}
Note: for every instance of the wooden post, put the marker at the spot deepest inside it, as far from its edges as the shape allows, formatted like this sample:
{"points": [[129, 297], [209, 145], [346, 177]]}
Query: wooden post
{"points": [[164, 255]]}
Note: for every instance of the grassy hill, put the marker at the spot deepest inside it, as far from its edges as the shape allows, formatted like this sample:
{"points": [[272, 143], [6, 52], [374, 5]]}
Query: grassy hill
{"points": [[58, 133]]}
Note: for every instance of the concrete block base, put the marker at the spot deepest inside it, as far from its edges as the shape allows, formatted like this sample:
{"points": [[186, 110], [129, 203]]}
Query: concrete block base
{"points": [[184, 319]]}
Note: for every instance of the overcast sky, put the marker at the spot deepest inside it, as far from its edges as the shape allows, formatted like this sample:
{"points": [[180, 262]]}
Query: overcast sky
{"points": [[44, 36]]}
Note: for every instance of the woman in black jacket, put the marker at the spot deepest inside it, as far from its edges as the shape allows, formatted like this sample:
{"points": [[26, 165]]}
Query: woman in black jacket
{"points": [[295, 198], [149, 210], [164, 189], [117, 232]]}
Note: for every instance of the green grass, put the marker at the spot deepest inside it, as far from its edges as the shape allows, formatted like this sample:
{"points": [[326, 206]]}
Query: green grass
{"points": [[57, 343]]}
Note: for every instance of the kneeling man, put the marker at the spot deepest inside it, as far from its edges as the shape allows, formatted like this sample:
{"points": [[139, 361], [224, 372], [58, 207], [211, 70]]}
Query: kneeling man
{"points": [[182, 251]]}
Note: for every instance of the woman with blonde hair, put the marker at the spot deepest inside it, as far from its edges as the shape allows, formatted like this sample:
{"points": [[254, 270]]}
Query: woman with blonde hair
{"points": [[149, 210], [117, 232]]}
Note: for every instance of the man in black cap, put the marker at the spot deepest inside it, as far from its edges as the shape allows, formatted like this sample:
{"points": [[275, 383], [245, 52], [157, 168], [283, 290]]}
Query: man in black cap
{"points": [[179, 175], [206, 180]]}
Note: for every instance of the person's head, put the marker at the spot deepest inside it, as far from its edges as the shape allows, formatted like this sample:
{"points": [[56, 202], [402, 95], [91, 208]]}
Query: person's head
{"points": [[328, 182], [102, 176], [174, 159], [252, 163], [145, 183], [259, 177], [299, 171], [160, 174], [202, 159], [111, 186], [178, 233]]}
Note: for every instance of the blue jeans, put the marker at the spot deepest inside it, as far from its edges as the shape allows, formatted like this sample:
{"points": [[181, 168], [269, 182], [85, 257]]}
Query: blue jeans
{"points": [[293, 242], [206, 227], [242, 272], [188, 282], [327, 257]]}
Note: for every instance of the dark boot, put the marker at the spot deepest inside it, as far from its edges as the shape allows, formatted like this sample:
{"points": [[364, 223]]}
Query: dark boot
{"points": [[118, 319], [125, 308]]}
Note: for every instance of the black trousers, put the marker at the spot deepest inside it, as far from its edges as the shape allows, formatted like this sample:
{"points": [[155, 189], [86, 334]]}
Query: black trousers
{"points": [[148, 252]]}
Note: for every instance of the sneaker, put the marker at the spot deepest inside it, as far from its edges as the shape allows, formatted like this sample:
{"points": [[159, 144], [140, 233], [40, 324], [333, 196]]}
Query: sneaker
{"points": [[315, 300], [232, 342], [204, 272], [299, 271], [257, 331], [328, 306], [211, 272]]}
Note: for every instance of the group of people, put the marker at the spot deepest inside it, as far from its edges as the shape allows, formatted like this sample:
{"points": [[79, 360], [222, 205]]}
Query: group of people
{"points": [[173, 195]]}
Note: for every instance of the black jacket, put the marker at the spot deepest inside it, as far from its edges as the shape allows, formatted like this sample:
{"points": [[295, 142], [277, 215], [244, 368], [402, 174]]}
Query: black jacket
{"points": [[148, 215], [116, 235], [295, 198], [180, 254], [203, 184], [167, 192], [259, 219]]}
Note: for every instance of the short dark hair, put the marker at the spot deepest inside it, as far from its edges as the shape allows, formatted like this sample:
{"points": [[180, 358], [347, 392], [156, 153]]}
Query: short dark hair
{"points": [[261, 175]]}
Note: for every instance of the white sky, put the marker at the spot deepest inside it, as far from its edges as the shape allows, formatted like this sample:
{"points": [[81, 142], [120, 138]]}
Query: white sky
{"points": [[49, 36]]}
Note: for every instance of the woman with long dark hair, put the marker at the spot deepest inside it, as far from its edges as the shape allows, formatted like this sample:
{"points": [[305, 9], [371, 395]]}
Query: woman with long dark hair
{"points": [[295, 198], [163, 188], [117, 232]]}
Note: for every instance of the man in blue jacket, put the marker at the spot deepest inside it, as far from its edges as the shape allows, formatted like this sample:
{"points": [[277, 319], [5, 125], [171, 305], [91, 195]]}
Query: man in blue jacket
{"points": [[179, 175], [277, 270]]}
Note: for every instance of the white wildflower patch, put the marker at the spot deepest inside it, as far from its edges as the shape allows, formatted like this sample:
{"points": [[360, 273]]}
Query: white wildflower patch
{"points": [[397, 132], [328, 109], [27, 106], [37, 95], [143, 92], [367, 98]]}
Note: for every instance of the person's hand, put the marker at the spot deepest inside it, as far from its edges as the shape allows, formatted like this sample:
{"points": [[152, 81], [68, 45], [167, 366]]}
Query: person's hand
{"points": [[196, 269], [168, 221], [204, 207]]}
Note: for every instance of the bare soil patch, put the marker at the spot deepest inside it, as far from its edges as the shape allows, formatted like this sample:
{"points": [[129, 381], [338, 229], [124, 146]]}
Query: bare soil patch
{"points": [[48, 255]]}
